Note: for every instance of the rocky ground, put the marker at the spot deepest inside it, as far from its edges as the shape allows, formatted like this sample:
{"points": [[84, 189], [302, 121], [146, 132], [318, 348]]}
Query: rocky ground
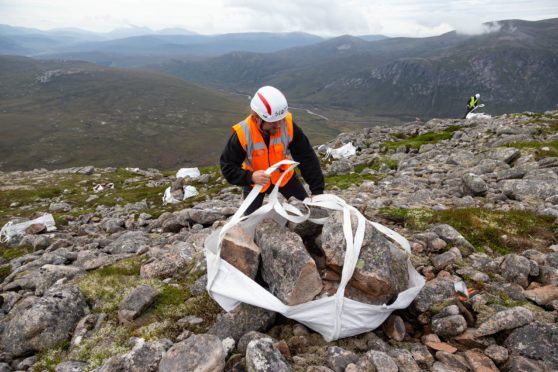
{"points": [[120, 285]]}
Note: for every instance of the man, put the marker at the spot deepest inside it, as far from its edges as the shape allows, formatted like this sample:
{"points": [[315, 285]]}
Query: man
{"points": [[267, 136], [472, 104]]}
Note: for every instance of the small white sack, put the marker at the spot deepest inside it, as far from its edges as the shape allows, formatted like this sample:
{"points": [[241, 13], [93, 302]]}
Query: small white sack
{"points": [[189, 191], [10, 230], [168, 198], [193, 173], [344, 151], [333, 317]]}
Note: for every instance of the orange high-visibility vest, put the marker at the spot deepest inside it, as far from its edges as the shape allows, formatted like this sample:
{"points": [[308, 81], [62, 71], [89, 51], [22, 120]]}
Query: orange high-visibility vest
{"points": [[258, 155]]}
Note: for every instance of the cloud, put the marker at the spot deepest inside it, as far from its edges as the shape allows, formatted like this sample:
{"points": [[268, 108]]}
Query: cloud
{"points": [[313, 16], [472, 28], [413, 18]]}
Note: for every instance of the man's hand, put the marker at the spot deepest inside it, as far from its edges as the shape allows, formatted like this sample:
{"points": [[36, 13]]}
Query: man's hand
{"points": [[259, 177]]}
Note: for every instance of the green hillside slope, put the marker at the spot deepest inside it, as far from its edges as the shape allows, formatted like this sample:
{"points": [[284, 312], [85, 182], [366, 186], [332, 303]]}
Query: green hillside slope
{"points": [[56, 114], [85, 114]]}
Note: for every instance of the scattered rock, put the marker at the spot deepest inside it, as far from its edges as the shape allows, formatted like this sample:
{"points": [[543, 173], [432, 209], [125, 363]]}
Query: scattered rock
{"points": [[136, 302], [203, 353]]}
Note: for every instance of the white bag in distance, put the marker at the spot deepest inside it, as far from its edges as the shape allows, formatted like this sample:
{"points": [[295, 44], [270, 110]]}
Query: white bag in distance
{"points": [[193, 173], [10, 230], [344, 151], [333, 317], [189, 191]]}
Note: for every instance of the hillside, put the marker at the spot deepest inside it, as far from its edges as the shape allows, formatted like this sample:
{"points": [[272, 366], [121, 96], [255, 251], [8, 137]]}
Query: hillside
{"points": [[58, 114], [120, 285], [513, 69]]}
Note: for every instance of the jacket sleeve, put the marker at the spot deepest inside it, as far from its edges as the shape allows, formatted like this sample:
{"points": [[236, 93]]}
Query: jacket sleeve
{"points": [[302, 152], [231, 160]]}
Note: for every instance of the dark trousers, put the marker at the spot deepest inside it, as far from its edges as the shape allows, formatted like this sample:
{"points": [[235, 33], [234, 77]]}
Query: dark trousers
{"points": [[292, 188]]}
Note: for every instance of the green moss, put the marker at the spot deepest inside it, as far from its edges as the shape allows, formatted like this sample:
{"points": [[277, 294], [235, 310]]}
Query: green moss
{"points": [[9, 254], [436, 308], [5, 270], [353, 179], [537, 148], [49, 359], [377, 163], [104, 288], [416, 219], [415, 142], [503, 232], [109, 340], [503, 299]]}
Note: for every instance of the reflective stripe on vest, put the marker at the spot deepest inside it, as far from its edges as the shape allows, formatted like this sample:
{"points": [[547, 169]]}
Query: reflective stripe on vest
{"points": [[258, 155]]}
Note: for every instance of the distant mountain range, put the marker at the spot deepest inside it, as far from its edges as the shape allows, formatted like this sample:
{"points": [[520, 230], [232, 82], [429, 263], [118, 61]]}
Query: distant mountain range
{"points": [[142, 41], [514, 69]]}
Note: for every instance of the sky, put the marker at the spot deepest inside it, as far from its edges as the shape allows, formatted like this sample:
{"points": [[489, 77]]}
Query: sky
{"points": [[414, 18]]}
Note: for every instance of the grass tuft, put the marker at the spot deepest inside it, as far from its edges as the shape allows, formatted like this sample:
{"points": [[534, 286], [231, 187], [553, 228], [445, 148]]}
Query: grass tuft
{"points": [[415, 142], [503, 232]]}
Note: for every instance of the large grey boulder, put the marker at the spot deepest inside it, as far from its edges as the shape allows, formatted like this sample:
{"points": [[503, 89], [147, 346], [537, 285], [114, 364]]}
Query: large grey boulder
{"points": [[287, 267], [129, 242], [144, 357], [517, 363], [447, 258], [169, 262], [529, 189], [449, 322], [505, 320], [262, 356], [516, 269], [542, 295], [452, 236], [205, 216], [434, 291], [40, 323], [380, 361], [243, 319], [42, 279], [338, 358], [381, 270], [200, 353], [548, 275], [404, 360], [535, 341], [136, 302], [505, 154], [474, 185]]}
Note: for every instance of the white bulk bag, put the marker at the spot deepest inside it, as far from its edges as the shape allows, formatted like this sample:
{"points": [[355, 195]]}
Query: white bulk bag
{"points": [[188, 172], [189, 191], [10, 230], [333, 317], [344, 151]]}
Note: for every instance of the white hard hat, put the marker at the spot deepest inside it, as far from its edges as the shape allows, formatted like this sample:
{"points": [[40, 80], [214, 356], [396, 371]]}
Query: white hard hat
{"points": [[477, 95], [270, 104]]}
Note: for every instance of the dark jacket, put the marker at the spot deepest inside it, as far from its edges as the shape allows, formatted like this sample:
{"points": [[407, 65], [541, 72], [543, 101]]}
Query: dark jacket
{"points": [[301, 151]]}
